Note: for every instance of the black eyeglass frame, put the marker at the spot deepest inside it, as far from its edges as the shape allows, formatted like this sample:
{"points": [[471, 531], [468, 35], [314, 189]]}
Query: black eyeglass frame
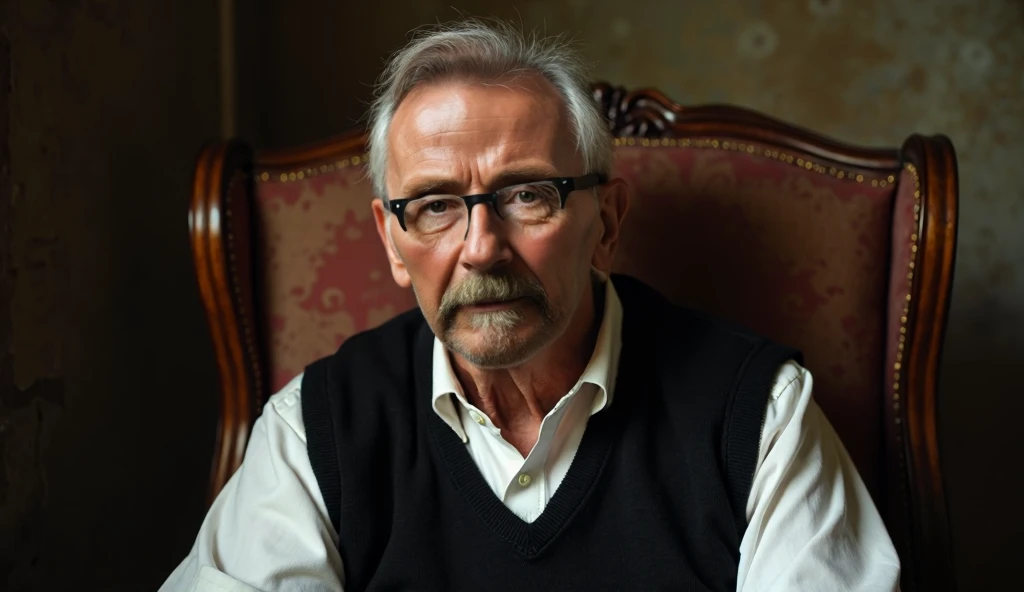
{"points": [[564, 185]]}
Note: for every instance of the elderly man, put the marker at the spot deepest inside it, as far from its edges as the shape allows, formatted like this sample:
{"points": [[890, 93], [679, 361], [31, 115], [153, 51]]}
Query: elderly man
{"points": [[535, 424]]}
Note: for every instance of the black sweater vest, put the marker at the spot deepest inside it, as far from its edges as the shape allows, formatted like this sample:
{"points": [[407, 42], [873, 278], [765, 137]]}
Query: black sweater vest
{"points": [[654, 499]]}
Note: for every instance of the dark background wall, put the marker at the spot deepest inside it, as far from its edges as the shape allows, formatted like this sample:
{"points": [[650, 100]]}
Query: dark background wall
{"points": [[107, 384], [106, 377]]}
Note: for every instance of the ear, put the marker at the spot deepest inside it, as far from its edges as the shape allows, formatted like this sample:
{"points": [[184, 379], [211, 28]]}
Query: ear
{"points": [[614, 204], [398, 271]]}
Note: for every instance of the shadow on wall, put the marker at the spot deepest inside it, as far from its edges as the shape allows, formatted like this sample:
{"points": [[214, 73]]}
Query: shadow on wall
{"points": [[981, 407], [107, 383]]}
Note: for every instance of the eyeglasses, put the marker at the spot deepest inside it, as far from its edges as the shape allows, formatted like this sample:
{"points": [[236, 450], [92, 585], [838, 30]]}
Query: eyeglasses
{"points": [[431, 216]]}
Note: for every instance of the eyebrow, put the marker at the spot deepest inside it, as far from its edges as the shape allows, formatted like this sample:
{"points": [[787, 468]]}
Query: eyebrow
{"points": [[443, 186]]}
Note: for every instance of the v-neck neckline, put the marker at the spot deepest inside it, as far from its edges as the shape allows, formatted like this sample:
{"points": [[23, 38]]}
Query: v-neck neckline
{"points": [[529, 539]]}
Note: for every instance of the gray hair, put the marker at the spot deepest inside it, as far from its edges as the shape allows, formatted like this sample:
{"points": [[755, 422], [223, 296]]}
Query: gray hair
{"points": [[486, 51]]}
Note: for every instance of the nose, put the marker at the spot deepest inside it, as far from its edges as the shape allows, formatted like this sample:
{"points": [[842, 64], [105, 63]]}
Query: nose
{"points": [[486, 244]]}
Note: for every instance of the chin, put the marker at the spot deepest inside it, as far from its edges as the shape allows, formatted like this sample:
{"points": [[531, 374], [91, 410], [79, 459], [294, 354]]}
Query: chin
{"points": [[495, 341]]}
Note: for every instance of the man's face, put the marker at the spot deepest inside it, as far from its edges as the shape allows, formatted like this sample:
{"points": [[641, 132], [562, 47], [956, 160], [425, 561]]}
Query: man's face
{"points": [[499, 292]]}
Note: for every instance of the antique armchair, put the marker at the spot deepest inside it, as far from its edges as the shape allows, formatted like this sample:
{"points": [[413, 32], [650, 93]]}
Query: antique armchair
{"points": [[844, 252]]}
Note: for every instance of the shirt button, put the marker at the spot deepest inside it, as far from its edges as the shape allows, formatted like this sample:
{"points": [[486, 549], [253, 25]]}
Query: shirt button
{"points": [[524, 479], [477, 418]]}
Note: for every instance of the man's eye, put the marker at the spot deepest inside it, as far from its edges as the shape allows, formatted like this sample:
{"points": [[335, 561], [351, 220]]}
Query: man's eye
{"points": [[437, 207], [526, 196]]}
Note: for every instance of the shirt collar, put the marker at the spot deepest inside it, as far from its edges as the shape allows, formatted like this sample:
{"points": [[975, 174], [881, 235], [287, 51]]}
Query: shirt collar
{"points": [[601, 371]]}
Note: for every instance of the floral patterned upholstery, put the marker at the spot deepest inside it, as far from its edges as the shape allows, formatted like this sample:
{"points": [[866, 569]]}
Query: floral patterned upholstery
{"points": [[787, 247], [326, 275], [794, 253]]}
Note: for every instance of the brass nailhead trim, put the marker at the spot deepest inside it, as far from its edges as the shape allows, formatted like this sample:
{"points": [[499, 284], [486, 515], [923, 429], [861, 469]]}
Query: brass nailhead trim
{"points": [[247, 332], [910, 168], [736, 146], [900, 347], [300, 174]]}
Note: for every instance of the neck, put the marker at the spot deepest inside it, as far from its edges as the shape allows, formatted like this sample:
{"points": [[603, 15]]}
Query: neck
{"points": [[517, 399]]}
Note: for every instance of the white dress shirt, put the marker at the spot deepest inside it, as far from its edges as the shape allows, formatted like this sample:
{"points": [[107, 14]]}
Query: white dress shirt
{"points": [[811, 522]]}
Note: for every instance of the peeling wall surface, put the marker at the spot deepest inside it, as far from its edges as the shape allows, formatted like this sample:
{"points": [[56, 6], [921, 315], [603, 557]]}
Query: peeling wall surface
{"points": [[107, 384]]}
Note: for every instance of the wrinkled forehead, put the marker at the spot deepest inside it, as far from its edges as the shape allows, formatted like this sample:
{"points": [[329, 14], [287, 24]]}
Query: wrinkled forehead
{"points": [[452, 128]]}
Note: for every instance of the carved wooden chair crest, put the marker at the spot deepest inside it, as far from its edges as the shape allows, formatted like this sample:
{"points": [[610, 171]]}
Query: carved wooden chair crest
{"points": [[844, 252]]}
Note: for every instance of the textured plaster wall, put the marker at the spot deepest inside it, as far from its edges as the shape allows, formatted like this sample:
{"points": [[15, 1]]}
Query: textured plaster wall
{"points": [[106, 375], [868, 72]]}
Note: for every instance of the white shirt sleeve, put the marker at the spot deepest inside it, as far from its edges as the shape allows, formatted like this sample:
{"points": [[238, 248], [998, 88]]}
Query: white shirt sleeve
{"points": [[811, 522], [268, 529]]}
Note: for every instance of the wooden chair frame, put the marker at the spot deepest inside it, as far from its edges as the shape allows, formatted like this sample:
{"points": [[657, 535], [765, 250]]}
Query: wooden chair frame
{"points": [[222, 233]]}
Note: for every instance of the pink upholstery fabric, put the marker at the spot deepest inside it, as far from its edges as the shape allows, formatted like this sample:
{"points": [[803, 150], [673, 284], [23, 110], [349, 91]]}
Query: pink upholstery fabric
{"points": [[326, 272], [799, 255]]}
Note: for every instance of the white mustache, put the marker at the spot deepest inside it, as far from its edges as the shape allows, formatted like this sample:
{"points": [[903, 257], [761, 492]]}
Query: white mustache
{"points": [[488, 288]]}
